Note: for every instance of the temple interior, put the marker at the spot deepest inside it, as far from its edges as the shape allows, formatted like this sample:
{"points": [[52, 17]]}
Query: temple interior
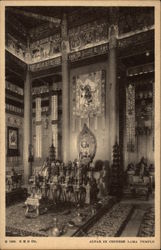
{"points": [[79, 96]]}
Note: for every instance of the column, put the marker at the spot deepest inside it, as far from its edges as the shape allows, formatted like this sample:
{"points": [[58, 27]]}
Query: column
{"points": [[27, 137], [38, 123], [54, 121], [65, 91], [113, 97]]}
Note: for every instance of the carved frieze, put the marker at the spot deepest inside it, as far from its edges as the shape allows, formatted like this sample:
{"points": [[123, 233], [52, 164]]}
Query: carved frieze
{"points": [[94, 51], [46, 64], [15, 47], [136, 39], [91, 33], [131, 19], [45, 48]]}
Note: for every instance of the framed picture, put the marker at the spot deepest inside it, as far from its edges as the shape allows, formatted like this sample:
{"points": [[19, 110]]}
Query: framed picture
{"points": [[13, 142]]}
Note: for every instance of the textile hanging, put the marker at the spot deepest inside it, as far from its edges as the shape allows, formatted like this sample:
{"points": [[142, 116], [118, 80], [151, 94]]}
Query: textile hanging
{"points": [[54, 107], [55, 138], [89, 96], [38, 151], [130, 117], [38, 109]]}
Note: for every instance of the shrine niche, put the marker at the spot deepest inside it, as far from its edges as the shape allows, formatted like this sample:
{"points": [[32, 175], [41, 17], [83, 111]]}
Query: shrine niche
{"points": [[86, 146], [13, 143]]}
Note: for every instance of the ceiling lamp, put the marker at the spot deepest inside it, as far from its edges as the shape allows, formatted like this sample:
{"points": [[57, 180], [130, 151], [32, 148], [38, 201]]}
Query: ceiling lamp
{"points": [[147, 53]]}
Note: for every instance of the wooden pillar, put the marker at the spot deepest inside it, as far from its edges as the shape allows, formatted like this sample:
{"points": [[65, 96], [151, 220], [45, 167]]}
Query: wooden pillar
{"points": [[54, 120], [65, 91], [113, 97], [27, 138], [38, 124]]}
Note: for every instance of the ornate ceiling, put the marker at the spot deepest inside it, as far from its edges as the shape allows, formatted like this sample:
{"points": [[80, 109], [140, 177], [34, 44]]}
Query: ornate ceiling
{"points": [[39, 28]]}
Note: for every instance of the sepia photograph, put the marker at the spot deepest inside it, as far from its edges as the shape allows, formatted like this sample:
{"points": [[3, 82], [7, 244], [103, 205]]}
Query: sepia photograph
{"points": [[80, 145]]}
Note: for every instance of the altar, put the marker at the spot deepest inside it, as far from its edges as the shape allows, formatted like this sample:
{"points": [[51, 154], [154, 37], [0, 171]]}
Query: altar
{"points": [[77, 182]]}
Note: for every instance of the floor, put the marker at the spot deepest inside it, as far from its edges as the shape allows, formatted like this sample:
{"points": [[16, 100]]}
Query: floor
{"points": [[132, 227], [15, 216]]}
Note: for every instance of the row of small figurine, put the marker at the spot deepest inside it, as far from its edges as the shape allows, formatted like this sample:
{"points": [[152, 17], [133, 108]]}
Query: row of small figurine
{"points": [[141, 168], [57, 166], [61, 187]]}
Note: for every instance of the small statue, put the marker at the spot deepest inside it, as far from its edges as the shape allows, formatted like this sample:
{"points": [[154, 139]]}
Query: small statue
{"points": [[103, 182], [93, 188], [141, 167], [130, 167], [14, 178], [55, 189], [44, 171]]}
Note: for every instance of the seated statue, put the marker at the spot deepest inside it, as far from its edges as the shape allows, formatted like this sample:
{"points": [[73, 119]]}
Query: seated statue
{"points": [[141, 168], [44, 171], [103, 182], [131, 167], [84, 151]]}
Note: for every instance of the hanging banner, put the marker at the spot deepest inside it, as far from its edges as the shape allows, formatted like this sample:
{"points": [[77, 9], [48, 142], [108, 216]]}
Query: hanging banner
{"points": [[130, 117], [88, 94], [55, 138], [38, 108], [54, 107], [38, 149]]}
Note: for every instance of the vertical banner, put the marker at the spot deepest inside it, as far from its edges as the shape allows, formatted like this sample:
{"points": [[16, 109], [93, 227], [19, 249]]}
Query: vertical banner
{"points": [[54, 107], [38, 108], [54, 118], [55, 138], [38, 149], [130, 117]]}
